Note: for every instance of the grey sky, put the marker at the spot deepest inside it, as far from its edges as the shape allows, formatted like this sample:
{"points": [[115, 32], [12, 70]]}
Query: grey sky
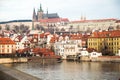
{"points": [[72, 9]]}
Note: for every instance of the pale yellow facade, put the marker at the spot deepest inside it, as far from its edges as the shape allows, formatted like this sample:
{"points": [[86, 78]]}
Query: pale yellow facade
{"points": [[112, 44], [7, 49], [85, 25]]}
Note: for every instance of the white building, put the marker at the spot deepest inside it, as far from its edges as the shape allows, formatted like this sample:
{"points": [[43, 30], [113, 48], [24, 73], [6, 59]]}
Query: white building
{"points": [[65, 49], [84, 52], [20, 42], [95, 54], [118, 53]]}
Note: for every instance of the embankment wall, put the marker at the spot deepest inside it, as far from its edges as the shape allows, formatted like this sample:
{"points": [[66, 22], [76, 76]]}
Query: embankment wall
{"points": [[11, 60], [13, 74]]}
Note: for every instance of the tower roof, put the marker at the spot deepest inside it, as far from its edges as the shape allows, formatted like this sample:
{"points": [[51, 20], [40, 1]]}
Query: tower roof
{"points": [[51, 15]]}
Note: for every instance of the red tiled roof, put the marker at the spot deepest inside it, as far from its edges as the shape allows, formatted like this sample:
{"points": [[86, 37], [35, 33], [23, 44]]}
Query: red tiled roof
{"points": [[115, 33], [43, 51], [54, 20], [21, 51], [99, 20], [75, 37], [6, 41], [54, 38], [43, 35], [19, 38]]}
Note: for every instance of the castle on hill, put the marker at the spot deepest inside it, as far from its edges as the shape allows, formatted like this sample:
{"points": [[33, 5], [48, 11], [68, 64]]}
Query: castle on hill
{"points": [[41, 15]]}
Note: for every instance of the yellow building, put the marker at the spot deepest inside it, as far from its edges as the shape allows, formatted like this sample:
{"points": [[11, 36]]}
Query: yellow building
{"points": [[107, 42]]}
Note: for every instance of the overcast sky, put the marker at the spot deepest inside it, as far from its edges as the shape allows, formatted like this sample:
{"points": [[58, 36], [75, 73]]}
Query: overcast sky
{"points": [[71, 9]]}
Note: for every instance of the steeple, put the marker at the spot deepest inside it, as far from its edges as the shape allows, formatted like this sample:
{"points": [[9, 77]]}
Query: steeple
{"points": [[84, 17], [34, 15], [40, 8], [47, 10], [81, 17], [47, 13]]}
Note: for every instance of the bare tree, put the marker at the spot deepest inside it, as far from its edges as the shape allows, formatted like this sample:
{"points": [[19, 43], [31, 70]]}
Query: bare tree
{"points": [[23, 28], [118, 27], [16, 28], [7, 27], [0, 28], [62, 29], [37, 26]]}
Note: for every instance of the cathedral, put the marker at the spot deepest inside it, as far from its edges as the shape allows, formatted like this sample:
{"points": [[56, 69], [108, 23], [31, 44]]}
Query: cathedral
{"points": [[41, 15]]}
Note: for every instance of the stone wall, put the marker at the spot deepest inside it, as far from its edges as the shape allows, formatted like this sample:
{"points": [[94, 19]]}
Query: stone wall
{"points": [[13, 74], [11, 60], [109, 58], [101, 59]]}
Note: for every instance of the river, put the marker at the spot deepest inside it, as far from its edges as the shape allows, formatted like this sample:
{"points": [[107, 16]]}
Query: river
{"points": [[71, 70]]}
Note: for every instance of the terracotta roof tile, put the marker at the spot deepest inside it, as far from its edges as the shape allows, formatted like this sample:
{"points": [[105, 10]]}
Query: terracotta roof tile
{"points": [[115, 33], [6, 41]]}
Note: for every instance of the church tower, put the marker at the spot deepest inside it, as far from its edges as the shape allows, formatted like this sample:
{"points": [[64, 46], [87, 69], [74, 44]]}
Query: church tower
{"points": [[40, 13], [34, 15]]}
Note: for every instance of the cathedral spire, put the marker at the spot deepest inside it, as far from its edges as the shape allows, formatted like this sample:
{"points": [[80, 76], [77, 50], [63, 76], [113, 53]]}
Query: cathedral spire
{"points": [[47, 10], [34, 18], [34, 15], [47, 13], [40, 8]]}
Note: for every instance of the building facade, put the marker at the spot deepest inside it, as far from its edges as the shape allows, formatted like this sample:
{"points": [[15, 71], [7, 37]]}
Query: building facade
{"points": [[107, 42], [65, 49], [7, 46], [91, 25]]}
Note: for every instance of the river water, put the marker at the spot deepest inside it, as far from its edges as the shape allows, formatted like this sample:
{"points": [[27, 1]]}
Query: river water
{"points": [[71, 70]]}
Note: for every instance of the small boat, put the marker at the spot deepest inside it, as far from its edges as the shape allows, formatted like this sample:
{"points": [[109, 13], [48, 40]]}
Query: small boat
{"points": [[59, 60]]}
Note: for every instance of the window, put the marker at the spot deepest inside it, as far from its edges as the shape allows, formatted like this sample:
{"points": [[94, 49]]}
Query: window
{"points": [[2, 50], [3, 46], [8, 50]]}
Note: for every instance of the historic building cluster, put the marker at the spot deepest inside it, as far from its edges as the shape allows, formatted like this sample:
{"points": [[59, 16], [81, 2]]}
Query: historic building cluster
{"points": [[63, 37]]}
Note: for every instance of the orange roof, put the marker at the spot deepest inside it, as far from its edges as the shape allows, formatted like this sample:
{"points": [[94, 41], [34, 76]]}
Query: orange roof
{"points": [[54, 38], [43, 35], [19, 37], [75, 37], [6, 41], [42, 51], [97, 20], [54, 20], [105, 34]]}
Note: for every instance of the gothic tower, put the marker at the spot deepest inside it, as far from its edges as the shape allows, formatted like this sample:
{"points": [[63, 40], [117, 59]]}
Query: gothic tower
{"points": [[34, 15], [40, 13]]}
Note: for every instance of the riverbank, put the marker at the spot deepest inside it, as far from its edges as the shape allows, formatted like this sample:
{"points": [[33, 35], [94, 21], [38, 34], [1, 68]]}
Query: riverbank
{"points": [[45, 59], [54, 59], [101, 59], [13, 74], [13, 60], [108, 59]]}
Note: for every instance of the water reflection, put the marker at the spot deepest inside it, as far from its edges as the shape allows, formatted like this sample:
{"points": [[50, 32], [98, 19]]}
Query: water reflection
{"points": [[72, 70]]}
